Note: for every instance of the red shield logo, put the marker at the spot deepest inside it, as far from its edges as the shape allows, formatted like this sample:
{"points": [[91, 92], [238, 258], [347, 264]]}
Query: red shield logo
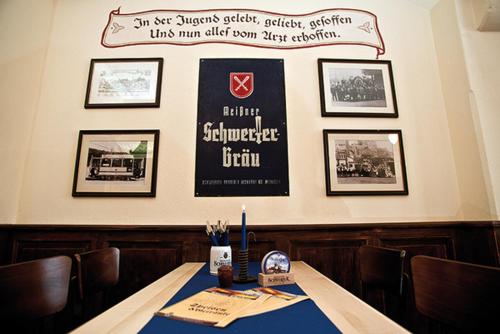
{"points": [[241, 84]]}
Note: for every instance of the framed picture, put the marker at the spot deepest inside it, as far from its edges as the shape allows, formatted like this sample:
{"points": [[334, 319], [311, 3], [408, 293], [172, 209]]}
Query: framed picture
{"points": [[364, 162], [117, 163], [124, 83], [356, 88]]}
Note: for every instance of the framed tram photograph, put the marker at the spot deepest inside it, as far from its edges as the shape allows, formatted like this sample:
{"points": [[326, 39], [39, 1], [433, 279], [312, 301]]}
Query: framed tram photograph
{"points": [[364, 162], [356, 88], [117, 163], [124, 83]]}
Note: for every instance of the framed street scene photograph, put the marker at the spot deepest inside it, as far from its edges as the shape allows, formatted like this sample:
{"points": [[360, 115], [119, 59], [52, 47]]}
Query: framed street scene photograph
{"points": [[116, 163], [124, 83], [364, 162], [356, 88]]}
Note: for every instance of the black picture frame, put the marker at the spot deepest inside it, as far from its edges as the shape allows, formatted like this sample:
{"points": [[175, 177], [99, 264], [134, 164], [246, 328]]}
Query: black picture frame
{"points": [[116, 163], [109, 89], [364, 162], [353, 88]]}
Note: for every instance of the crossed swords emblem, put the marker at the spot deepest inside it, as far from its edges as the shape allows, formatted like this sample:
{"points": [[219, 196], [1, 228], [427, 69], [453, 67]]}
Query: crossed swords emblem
{"points": [[241, 83]]}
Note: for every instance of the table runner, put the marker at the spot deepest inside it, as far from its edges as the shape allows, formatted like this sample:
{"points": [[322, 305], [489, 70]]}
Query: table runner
{"points": [[303, 317]]}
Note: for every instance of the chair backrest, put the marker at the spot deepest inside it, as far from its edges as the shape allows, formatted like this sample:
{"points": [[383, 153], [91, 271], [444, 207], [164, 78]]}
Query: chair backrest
{"points": [[382, 268], [463, 295], [97, 270], [34, 289]]}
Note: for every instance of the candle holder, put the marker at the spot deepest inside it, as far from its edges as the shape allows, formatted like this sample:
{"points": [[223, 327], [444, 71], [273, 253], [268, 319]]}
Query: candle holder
{"points": [[243, 276]]}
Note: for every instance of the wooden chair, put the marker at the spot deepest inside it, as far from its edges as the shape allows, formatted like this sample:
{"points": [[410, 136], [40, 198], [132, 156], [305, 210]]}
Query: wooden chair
{"points": [[97, 272], [461, 295], [31, 291], [382, 276]]}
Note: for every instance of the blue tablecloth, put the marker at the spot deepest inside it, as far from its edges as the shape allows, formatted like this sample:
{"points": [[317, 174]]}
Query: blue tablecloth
{"points": [[303, 317]]}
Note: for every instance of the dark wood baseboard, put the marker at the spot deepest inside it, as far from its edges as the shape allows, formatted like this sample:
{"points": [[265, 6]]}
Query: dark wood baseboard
{"points": [[149, 252]]}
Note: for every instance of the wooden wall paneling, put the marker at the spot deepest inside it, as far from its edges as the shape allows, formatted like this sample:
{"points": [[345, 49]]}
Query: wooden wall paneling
{"points": [[256, 250], [432, 244], [265, 241], [496, 234], [26, 249], [337, 259], [477, 244], [142, 262], [195, 249], [5, 247]]}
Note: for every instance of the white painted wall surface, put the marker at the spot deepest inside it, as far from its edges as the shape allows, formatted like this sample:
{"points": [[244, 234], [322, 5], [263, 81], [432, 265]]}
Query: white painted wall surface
{"points": [[24, 34], [482, 55], [434, 191], [472, 174]]}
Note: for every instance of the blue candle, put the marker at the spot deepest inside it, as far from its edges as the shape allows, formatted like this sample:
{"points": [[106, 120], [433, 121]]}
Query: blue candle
{"points": [[244, 244]]}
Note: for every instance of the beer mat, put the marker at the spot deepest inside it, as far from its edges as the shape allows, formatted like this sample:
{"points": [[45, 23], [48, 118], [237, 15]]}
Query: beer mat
{"points": [[303, 317]]}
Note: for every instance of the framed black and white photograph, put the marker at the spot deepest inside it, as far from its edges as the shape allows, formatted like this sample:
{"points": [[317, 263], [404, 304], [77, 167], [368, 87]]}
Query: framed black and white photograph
{"points": [[356, 88], [364, 162], [124, 83], [117, 163]]}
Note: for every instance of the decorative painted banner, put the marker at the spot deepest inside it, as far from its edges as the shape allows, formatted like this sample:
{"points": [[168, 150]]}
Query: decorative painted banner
{"points": [[241, 141], [246, 27]]}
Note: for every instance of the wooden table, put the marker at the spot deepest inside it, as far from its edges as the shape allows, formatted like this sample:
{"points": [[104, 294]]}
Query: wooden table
{"points": [[346, 311]]}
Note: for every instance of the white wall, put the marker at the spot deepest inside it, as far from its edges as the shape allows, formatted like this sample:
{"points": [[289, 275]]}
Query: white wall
{"points": [[472, 177], [482, 55], [407, 31], [22, 60]]}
